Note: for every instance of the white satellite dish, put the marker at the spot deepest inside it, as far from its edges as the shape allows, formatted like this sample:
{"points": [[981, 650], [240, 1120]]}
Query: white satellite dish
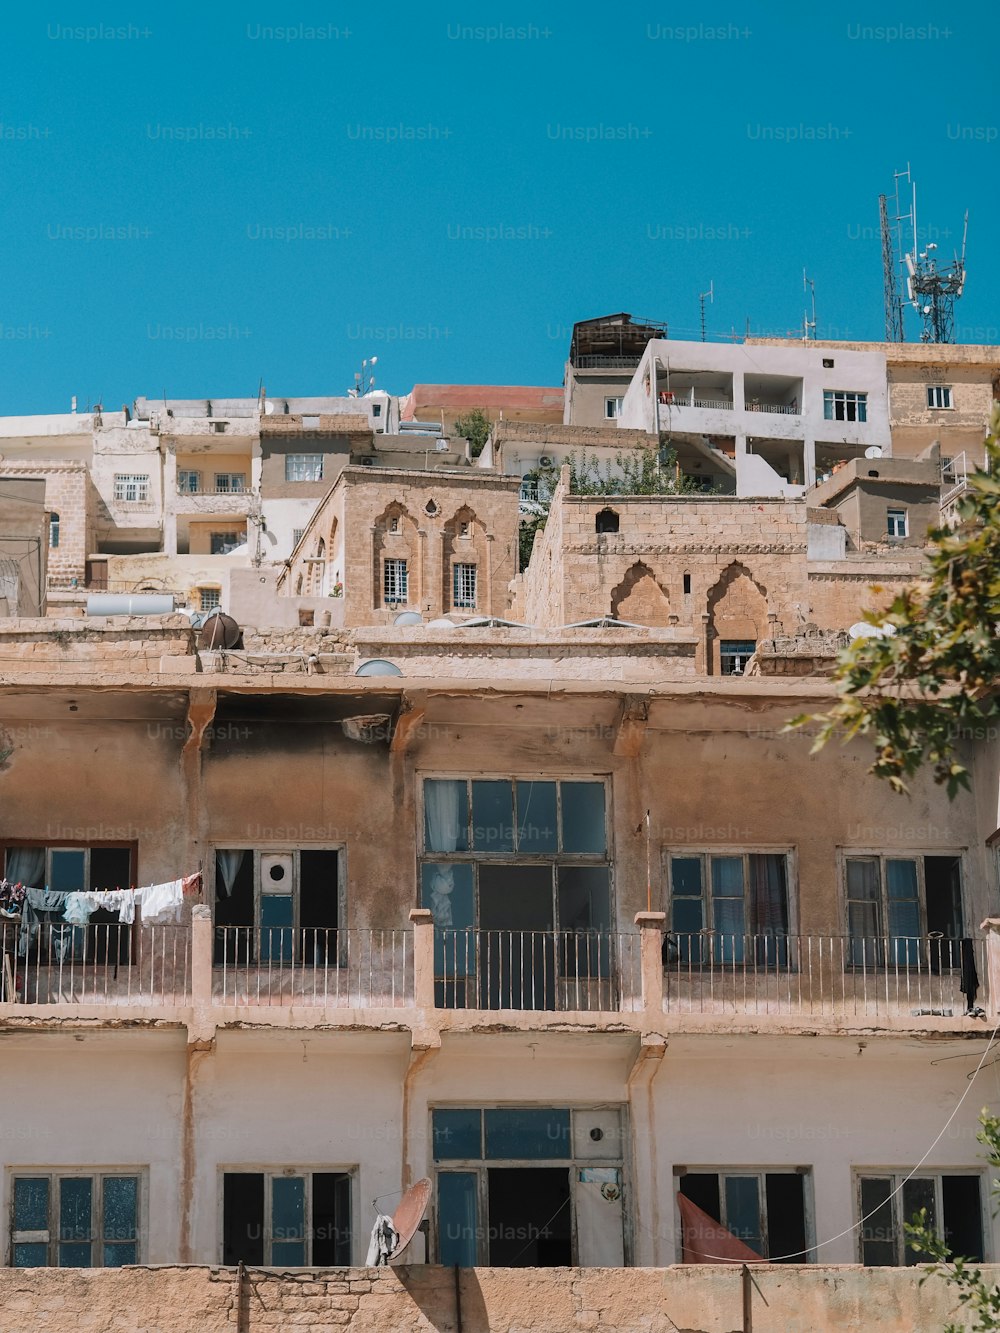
{"points": [[268, 407], [864, 630], [874, 451]]}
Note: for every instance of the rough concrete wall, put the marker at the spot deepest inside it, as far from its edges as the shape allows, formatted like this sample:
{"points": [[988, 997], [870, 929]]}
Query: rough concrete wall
{"points": [[426, 1300], [540, 589]]}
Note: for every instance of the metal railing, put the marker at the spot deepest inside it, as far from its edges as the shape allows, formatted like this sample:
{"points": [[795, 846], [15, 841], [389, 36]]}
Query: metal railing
{"points": [[717, 404], [884, 976], [215, 490], [606, 362], [95, 964], [782, 409], [354, 968], [565, 970]]}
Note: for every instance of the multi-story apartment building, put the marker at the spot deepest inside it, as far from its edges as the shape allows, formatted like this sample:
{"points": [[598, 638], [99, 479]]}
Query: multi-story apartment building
{"points": [[589, 947]]}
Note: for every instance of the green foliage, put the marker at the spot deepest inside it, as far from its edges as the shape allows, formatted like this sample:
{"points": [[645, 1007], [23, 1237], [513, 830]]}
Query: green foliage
{"points": [[980, 1299], [474, 426], [918, 693]]}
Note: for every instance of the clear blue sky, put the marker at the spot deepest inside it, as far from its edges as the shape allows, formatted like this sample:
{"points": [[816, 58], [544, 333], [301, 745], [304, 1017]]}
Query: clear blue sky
{"points": [[198, 201]]}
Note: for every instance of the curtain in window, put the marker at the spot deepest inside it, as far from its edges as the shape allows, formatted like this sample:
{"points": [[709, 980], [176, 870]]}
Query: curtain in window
{"points": [[443, 813], [769, 907], [26, 865], [228, 865]]}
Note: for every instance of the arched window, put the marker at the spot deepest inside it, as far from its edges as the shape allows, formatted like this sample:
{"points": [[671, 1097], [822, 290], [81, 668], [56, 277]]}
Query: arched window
{"points": [[607, 521], [53, 530]]}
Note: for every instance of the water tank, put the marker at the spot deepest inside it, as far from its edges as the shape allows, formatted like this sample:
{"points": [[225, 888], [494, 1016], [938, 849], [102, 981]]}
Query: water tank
{"points": [[219, 631], [130, 604]]}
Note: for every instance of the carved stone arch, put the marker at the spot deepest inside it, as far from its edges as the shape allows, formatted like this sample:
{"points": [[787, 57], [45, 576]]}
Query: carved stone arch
{"points": [[639, 597], [737, 611], [395, 537], [464, 542]]}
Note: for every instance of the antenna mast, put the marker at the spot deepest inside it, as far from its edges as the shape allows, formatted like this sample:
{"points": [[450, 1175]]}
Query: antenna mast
{"points": [[809, 287], [894, 252], [702, 297]]}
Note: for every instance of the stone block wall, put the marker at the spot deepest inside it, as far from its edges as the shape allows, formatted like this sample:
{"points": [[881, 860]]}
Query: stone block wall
{"points": [[67, 493]]}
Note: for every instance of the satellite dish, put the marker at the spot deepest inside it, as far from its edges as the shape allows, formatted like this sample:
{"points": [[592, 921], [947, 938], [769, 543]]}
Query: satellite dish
{"points": [[378, 666], [442, 622], [410, 1213], [268, 407], [875, 451], [219, 631], [409, 618], [864, 630]]}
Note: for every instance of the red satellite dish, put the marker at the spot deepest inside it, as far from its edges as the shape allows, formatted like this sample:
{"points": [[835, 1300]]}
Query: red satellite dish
{"points": [[410, 1213]]}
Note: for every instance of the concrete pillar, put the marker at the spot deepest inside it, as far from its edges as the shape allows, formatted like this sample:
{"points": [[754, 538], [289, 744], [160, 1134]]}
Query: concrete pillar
{"points": [[992, 928], [169, 503], [651, 958], [423, 957], [201, 956]]}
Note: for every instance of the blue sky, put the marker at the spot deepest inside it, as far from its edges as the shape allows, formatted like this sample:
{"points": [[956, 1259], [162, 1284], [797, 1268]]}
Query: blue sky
{"points": [[202, 198]]}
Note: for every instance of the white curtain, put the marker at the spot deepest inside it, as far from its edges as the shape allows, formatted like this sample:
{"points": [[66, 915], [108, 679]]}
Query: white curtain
{"points": [[227, 866], [26, 865], [443, 806]]}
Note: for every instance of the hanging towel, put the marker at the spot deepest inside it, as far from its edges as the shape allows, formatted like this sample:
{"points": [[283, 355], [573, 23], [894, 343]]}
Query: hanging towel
{"points": [[706, 1241], [161, 903], [383, 1243], [970, 977]]}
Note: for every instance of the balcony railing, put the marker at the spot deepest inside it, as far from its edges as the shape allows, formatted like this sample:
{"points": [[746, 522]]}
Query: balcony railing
{"points": [[834, 975], [566, 970], [683, 400], [353, 968], [95, 964], [215, 490], [606, 362], [781, 409]]}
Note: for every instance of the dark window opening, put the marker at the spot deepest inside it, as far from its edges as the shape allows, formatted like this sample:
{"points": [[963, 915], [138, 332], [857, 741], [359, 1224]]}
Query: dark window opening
{"points": [[283, 1218], [243, 1218], [687, 583], [765, 1210], [529, 1217], [319, 905], [607, 521], [734, 654]]}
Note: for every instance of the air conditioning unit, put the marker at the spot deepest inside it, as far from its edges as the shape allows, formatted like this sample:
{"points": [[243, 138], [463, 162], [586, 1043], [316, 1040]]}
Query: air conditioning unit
{"points": [[546, 461], [368, 461]]}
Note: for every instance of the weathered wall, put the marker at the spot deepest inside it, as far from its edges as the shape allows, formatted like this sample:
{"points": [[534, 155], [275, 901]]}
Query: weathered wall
{"points": [[68, 494], [426, 1300]]}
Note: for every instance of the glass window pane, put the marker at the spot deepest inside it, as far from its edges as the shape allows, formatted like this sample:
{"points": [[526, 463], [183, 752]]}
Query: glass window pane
{"points": [[447, 890], [687, 918], [493, 816], [31, 1203], [583, 817], [288, 1207], [75, 1197], [276, 932], [117, 1255], [66, 873], [727, 876], [446, 815], [75, 1256], [584, 898], [901, 879], [862, 879], [743, 1211], [120, 1207], [288, 1253], [685, 876], [530, 1133], [536, 817], [878, 1232], [458, 1135], [35, 1254], [457, 1218], [918, 1193]]}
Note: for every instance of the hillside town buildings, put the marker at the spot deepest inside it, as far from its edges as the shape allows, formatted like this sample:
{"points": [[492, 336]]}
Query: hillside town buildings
{"points": [[484, 861]]}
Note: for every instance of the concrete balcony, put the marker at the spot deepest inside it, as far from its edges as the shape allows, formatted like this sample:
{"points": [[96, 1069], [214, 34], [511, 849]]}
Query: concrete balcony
{"points": [[212, 502]]}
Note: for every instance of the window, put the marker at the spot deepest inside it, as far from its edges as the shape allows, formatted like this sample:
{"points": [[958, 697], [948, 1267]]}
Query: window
{"points": [[841, 406], [74, 1221], [130, 487], [828, 363], [376, 409], [464, 585], [687, 586], [896, 523], [612, 408], [729, 907], [303, 467], [394, 523], [188, 482], [297, 535], [73, 870], [221, 543], [939, 395], [895, 902], [886, 1201], [219, 427], [209, 599], [764, 1209], [230, 483], [395, 581], [517, 875], [276, 906], [734, 654], [516, 1183], [607, 521], [287, 1218], [53, 530]]}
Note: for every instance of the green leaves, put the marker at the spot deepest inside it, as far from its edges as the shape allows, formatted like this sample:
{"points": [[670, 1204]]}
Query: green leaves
{"points": [[928, 691]]}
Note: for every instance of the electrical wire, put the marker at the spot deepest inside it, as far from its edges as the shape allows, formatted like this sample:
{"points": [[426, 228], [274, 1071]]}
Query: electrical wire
{"points": [[821, 1244]]}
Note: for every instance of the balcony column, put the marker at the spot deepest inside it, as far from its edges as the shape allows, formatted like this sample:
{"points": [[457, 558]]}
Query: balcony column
{"points": [[169, 502], [201, 955], [423, 957], [991, 926], [651, 958]]}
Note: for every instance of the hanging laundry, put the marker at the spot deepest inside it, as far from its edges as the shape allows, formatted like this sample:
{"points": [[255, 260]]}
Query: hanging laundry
{"points": [[383, 1243], [42, 906], [161, 903]]}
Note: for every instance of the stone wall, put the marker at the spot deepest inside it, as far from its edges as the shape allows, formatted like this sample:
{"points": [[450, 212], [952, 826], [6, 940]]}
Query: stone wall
{"points": [[696, 1299], [67, 493]]}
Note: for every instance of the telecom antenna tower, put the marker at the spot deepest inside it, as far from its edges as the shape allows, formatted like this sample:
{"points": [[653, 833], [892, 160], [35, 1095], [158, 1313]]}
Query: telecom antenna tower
{"points": [[931, 289]]}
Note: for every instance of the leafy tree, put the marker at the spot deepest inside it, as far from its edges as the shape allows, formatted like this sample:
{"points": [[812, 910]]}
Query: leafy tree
{"points": [[919, 691], [979, 1298], [474, 426]]}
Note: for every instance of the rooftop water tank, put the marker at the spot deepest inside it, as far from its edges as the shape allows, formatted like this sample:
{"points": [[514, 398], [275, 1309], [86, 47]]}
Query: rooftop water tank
{"points": [[130, 604]]}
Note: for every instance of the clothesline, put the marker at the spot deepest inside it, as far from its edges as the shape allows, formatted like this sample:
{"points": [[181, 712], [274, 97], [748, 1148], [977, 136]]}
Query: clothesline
{"points": [[160, 904]]}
